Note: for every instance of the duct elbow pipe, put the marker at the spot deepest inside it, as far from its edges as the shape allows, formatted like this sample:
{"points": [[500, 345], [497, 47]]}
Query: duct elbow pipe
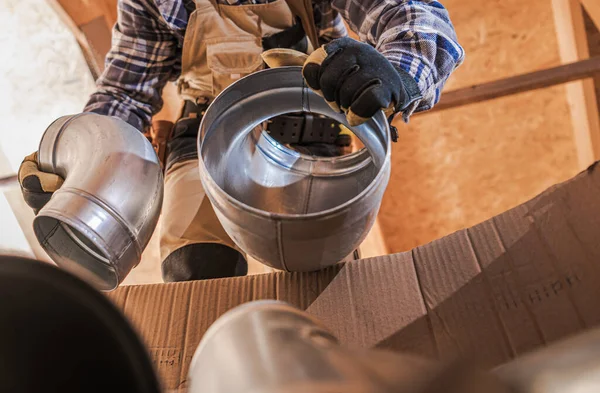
{"points": [[101, 219]]}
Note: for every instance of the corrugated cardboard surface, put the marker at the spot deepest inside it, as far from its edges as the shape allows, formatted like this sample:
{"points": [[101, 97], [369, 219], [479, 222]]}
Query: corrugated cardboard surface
{"points": [[501, 288]]}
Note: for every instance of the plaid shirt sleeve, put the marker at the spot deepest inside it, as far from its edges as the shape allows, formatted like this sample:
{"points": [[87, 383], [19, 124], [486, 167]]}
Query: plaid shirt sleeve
{"points": [[145, 54], [414, 35]]}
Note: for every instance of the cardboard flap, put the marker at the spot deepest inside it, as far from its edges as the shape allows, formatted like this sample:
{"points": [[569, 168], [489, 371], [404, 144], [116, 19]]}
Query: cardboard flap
{"points": [[351, 306], [491, 292], [172, 318]]}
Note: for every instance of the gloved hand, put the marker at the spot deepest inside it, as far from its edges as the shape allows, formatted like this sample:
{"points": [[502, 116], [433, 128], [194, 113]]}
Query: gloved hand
{"points": [[37, 186], [356, 79]]}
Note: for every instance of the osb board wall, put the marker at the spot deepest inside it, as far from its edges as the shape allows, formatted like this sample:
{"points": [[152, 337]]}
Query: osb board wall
{"points": [[593, 37], [458, 167]]}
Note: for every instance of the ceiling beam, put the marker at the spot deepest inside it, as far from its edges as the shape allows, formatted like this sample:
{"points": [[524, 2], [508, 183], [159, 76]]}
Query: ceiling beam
{"points": [[581, 95], [577, 70], [519, 84], [593, 9]]}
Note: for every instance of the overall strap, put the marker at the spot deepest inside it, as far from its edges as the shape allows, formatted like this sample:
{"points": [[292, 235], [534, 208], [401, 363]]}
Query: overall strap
{"points": [[304, 10], [202, 3]]}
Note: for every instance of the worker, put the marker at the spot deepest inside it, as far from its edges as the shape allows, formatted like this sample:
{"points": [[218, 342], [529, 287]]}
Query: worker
{"points": [[406, 52]]}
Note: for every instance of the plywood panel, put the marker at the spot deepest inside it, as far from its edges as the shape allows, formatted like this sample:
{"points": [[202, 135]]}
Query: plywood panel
{"points": [[110, 11], [82, 11], [593, 39], [455, 168], [593, 10], [581, 95]]}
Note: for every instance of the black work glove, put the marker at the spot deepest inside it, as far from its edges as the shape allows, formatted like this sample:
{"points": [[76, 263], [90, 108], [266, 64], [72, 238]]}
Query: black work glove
{"points": [[356, 79], [37, 186]]}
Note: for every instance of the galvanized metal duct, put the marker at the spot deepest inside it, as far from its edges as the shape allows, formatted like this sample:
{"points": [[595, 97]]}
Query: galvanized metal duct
{"points": [[272, 347], [269, 346], [101, 219], [571, 365], [288, 210]]}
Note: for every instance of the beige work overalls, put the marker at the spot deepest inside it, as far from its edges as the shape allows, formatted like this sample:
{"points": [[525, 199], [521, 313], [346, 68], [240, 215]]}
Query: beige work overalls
{"points": [[222, 44]]}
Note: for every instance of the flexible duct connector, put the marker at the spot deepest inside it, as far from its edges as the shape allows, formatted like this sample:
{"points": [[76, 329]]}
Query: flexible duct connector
{"points": [[101, 219]]}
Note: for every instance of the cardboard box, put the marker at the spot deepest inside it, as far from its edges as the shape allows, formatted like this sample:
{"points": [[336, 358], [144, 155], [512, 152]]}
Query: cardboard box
{"points": [[494, 291]]}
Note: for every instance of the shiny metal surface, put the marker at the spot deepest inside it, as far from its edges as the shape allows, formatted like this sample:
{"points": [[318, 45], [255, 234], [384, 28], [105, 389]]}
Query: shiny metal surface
{"points": [[269, 346], [288, 210], [101, 219], [568, 366]]}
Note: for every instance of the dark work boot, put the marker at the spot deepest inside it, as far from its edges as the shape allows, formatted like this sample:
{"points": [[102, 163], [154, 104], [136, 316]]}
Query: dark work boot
{"points": [[203, 261]]}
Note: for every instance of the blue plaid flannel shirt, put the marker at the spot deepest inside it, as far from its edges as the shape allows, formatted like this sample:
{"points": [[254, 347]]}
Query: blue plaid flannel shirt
{"points": [[415, 35]]}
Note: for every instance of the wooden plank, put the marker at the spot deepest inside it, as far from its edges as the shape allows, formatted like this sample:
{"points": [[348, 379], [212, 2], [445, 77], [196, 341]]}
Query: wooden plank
{"points": [[9, 183], [98, 36], [90, 56], [91, 22], [578, 69], [581, 95], [519, 84], [593, 9], [593, 38], [109, 9], [22, 212], [82, 11], [25, 217], [374, 245], [451, 170]]}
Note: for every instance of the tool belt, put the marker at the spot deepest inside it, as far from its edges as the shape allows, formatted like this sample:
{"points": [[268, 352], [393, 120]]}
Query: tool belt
{"points": [[293, 128], [303, 128]]}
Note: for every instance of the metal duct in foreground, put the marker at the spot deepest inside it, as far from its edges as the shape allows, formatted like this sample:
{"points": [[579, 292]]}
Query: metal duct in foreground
{"points": [[101, 219], [269, 346], [571, 365], [289, 211], [58, 334]]}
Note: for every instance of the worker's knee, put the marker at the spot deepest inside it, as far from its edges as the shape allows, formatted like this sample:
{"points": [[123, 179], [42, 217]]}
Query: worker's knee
{"points": [[203, 261]]}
